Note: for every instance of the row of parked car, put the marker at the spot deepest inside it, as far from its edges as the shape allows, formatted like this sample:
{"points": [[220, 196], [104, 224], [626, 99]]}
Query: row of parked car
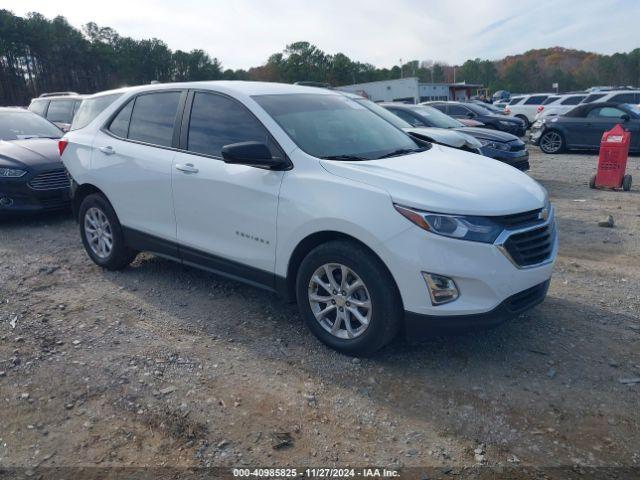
{"points": [[330, 200]]}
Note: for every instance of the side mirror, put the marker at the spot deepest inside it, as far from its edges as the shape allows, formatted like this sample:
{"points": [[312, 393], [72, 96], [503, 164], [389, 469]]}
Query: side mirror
{"points": [[625, 117], [470, 115], [253, 154]]}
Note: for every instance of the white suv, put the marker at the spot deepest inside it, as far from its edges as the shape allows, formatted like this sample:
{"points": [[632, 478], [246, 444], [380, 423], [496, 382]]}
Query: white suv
{"points": [[525, 107], [305, 192], [559, 105], [618, 96]]}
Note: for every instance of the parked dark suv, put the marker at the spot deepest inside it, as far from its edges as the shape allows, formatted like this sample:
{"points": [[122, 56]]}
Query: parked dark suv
{"points": [[482, 114], [57, 107]]}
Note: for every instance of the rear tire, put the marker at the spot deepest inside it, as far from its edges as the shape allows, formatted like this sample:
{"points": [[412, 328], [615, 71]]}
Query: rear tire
{"points": [[102, 235], [323, 301], [626, 183]]}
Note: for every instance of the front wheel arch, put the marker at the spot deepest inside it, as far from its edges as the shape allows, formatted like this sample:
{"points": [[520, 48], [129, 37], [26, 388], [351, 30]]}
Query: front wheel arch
{"points": [[312, 241]]}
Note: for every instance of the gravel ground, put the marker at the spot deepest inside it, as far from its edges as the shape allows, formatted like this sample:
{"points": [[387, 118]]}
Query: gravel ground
{"points": [[164, 365]]}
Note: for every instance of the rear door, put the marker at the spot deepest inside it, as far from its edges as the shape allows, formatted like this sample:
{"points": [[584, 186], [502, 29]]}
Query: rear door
{"points": [[132, 159], [601, 119], [226, 214]]}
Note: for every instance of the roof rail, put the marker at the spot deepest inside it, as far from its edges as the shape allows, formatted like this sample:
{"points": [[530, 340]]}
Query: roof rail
{"points": [[57, 94]]}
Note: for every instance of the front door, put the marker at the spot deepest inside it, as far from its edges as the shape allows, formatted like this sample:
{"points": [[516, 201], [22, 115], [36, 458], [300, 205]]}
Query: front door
{"points": [[226, 214]]}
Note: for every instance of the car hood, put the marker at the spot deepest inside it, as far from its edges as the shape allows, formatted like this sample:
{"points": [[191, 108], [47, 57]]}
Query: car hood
{"points": [[447, 180], [33, 153], [451, 138], [488, 134]]}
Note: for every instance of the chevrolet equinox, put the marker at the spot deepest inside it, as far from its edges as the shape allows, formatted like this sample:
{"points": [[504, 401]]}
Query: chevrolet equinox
{"points": [[305, 192]]}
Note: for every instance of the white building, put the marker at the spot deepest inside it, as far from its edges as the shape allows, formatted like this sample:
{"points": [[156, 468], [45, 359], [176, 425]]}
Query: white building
{"points": [[410, 90]]}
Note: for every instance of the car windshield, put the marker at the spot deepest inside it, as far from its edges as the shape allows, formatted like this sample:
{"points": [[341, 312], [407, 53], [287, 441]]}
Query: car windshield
{"points": [[336, 127], [20, 125], [91, 108], [479, 109], [436, 118]]}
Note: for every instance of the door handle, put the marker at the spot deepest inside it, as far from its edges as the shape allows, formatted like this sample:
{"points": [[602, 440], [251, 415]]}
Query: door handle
{"points": [[186, 168], [107, 150]]}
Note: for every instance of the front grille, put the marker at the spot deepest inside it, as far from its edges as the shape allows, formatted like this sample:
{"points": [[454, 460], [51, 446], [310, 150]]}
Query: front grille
{"points": [[53, 180], [527, 298], [519, 220], [531, 247]]}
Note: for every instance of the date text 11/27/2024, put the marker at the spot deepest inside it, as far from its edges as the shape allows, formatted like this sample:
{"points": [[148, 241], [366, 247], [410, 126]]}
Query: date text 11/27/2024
{"points": [[315, 472]]}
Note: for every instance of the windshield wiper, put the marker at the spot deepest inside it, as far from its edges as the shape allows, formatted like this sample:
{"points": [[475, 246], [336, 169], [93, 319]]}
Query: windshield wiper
{"points": [[343, 157], [402, 151]]}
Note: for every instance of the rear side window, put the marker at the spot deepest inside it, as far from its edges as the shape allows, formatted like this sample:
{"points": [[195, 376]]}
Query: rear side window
{"points": [[440, 106], [217, 121], [39, 107], [572, 100], [457, 110], [623, 98], [516, 101], [535, 100], [90, 108], [153, 118], [61, 111], [593, 97], [120, 123], [550, 100]]}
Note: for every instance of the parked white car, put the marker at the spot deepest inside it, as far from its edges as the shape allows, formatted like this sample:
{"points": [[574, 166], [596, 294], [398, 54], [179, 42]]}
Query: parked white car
{"points": [[305, 192], [525, 107], [559, 105], [617, 96]]}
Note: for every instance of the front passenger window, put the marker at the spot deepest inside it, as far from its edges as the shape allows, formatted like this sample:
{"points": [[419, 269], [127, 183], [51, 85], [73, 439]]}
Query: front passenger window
{"points": [[217, 121]]}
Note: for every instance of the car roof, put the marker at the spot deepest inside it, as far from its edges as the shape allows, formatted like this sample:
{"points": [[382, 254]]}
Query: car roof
{"points": [[15, 110], [58, 97], [240, 87]]}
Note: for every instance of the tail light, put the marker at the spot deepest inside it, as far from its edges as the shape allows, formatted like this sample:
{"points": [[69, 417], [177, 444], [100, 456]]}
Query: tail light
{"points": [[62, 144], [540, 108], [506, 110]]}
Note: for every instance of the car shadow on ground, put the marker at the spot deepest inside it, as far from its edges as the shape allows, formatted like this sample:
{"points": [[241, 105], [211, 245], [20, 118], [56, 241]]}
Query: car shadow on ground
{"points": [[34, 220]]}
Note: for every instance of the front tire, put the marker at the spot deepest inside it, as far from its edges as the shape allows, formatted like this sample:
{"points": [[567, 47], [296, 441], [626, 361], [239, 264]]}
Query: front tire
{"points": [[527, 124], [626, 183], [102, 235], [347, 298], [552, 142]]}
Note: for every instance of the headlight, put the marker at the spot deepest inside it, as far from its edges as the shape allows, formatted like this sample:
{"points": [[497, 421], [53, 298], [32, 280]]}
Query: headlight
{"points": [[11, 172], [495, 145], [475, 229]]}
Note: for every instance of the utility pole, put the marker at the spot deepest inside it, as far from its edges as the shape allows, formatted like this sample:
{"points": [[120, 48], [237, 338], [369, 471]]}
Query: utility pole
{"points": [[401, 70], [454, 74]]}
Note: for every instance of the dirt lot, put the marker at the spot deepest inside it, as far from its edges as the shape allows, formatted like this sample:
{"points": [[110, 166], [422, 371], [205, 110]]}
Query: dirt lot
{"points": [[164, 365]]}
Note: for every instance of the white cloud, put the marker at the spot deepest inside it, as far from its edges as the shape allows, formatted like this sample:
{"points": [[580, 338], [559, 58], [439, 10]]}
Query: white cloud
{"points": [[243, 33]]}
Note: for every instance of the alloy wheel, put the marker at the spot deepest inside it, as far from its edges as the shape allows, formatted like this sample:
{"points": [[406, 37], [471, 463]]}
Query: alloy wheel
{"points": [[340, 301], [551, 142], [98, 232]]}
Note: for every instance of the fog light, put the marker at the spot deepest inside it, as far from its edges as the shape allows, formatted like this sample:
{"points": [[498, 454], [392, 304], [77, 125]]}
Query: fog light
{"points": [[6, 201], [441, 289]]}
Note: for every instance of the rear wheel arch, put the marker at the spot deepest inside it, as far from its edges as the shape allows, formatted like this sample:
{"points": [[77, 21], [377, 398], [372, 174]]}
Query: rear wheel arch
{"points": [[80, 193], [314, 240]]}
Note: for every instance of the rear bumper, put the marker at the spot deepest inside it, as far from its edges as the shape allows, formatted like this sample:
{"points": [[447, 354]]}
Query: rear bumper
{"points": [[418, 325]]}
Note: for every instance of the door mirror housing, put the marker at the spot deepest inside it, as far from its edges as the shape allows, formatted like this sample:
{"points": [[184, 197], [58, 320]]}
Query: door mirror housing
{"points": [[625, 117], [470, 115], [252, 154]]}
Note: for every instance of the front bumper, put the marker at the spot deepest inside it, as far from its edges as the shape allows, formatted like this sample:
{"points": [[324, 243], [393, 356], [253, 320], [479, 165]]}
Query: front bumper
{"points": [[485, 276], [22, 199], [536, 134], [418, 325], [518, 158], [514, 129]]}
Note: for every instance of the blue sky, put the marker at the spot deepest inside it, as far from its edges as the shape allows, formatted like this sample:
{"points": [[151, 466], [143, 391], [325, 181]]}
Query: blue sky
{"points": [[243, 33]]}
